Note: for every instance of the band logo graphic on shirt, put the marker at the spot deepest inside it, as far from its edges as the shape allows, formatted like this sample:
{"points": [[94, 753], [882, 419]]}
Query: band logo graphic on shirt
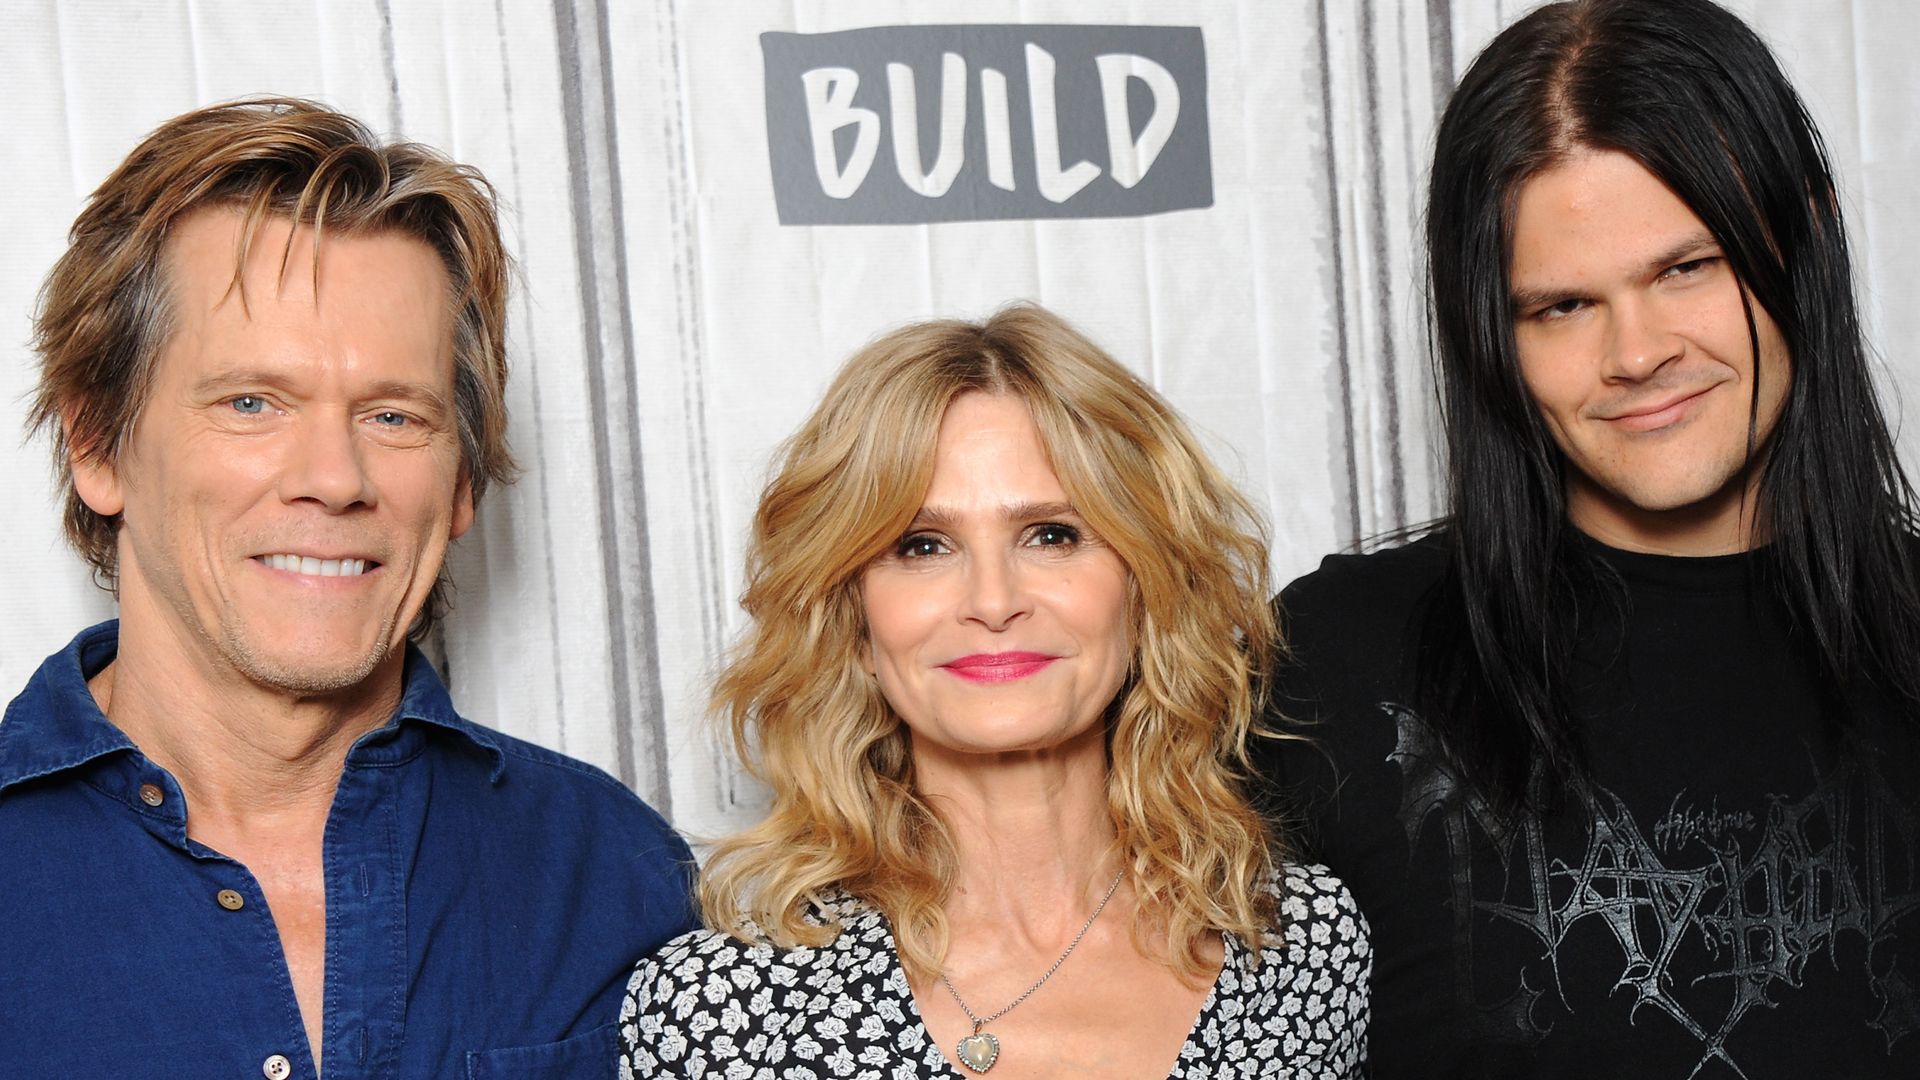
{"points": [[894, 125], [1709, 943], [1685, 823]]}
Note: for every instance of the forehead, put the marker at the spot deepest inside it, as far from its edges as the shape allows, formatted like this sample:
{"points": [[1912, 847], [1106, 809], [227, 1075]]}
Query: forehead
{"points": [[1597, 213], [349, 296], [990, 449]]}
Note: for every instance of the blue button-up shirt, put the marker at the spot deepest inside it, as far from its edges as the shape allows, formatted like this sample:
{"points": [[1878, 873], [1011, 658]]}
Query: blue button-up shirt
{"points": [[485, 901]]}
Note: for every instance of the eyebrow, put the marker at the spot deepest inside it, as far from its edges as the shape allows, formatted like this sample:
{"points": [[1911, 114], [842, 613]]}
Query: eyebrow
{"points": [[936, 517], [1691, 246], [430, 399]]}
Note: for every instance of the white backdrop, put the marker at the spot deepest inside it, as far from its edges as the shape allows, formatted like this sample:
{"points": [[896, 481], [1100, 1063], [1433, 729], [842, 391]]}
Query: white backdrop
{"points": [[667, 331]]}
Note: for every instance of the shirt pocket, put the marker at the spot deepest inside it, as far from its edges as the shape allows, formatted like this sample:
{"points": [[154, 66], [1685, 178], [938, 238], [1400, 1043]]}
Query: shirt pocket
{"points": [[594, 1054]]}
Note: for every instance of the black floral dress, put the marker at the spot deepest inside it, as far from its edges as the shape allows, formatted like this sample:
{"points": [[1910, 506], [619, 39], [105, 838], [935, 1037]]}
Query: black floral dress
{"points": [[707, 1005]]}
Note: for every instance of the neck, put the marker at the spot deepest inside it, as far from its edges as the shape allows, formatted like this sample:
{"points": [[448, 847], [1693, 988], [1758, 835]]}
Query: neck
{"points": [[242, 752], [1722, 524], [1032, 832]]}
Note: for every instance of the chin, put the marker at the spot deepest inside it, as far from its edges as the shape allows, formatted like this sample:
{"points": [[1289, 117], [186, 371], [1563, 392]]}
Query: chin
{"points": [[1015, 737], [1657, 486], [1678, 494], [305, 662]]}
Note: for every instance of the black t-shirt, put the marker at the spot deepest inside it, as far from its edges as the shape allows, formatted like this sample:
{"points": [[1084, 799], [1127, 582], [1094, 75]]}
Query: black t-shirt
{"points": [[1731, 894]]}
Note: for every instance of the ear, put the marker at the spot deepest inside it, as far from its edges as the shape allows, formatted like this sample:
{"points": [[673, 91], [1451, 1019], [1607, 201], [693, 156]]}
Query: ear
{"points": [[462, 506], [96, 479]]}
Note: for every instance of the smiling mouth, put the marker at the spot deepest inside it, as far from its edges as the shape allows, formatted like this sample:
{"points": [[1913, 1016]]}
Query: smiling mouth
{"points": [[312, 567], [1658, 415]]}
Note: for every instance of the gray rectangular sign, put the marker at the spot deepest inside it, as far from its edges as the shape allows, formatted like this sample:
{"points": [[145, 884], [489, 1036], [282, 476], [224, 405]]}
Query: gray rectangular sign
{"points": [[896, 125]]}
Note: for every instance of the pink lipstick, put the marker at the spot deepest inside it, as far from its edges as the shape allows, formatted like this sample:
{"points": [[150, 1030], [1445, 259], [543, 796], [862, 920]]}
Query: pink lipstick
{"points": [[999, 667]]}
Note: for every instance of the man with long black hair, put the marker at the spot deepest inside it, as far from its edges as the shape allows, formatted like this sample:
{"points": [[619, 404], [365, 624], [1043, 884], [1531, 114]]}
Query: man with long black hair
{"points": [[1620, 757]]}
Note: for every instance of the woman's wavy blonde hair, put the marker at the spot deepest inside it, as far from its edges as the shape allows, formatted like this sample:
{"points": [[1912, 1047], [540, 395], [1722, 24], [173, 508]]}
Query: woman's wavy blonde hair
{"points": [[808, 721]]}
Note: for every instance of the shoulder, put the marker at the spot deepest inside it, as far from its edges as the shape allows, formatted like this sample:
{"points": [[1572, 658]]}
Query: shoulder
{"points": [[548, 766], [1321, 961], [702, 956], [1389, 581], [594, 798], [1300, 1003], [707, 999], [677, 998], [1316, 908], [685, 964], [542, 817], [1323, 938], [1351, 629]]}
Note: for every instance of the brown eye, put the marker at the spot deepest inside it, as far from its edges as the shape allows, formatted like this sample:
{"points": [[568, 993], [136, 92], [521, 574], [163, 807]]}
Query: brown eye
{"points": [[919, 546], [1053, 535], [1691, 266]]}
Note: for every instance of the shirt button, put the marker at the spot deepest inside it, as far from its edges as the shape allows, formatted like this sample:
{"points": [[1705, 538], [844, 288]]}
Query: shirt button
{"points": [[151, 795], [277, 1067], [233, 901]]}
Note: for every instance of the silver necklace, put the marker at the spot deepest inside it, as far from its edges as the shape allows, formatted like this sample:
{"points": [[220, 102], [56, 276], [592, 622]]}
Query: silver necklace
{"points": [[981, 1049]]}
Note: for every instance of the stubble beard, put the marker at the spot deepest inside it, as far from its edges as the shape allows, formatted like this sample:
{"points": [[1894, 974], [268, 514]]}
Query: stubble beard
{"points": [[311, 679]]}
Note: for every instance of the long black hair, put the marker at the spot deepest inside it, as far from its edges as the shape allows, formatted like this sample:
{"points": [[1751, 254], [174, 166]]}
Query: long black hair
{"points": [[1689, 91]]}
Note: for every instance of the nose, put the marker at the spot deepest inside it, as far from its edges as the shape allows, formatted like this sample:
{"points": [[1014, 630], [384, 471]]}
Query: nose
{"points": [[324, 464], [1642, 341], [996, 594]]}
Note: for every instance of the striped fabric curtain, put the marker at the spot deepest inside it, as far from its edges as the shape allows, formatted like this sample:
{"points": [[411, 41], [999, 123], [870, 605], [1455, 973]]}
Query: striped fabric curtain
{"points": [[668, 330]]}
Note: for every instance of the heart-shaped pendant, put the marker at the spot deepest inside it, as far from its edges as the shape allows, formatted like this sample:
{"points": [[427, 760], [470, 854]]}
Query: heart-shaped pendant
{"points": [[979, 1051]]}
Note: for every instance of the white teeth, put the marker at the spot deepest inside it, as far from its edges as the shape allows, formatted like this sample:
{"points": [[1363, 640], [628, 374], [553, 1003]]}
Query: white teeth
{"points": [[299, 564]]}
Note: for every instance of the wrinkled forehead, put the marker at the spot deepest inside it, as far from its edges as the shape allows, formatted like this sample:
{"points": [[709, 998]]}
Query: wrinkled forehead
{"points": [[298, 304]]}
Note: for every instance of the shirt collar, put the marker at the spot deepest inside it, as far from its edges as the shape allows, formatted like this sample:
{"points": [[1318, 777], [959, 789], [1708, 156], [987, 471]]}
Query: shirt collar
{"points": [[54, 724], [423, 699]]}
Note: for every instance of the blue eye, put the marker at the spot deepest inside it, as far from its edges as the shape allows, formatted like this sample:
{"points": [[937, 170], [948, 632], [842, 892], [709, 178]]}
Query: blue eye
{"points": [[390, 419], [249, 405]]}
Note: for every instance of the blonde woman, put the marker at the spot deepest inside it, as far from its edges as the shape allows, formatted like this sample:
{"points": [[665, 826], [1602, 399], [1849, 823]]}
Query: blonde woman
{"points": [[1005, 618]]}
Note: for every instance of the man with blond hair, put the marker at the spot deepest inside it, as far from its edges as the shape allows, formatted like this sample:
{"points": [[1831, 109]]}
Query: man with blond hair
{"points": [[245, 831]]}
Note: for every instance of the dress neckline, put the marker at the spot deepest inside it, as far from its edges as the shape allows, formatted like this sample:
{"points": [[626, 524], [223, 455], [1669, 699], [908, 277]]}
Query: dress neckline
{"points": [[1233, 959]]}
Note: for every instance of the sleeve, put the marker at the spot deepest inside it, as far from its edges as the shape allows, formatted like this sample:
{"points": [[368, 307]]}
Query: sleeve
{"points": [[653, 1041], [1330, 948]]}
